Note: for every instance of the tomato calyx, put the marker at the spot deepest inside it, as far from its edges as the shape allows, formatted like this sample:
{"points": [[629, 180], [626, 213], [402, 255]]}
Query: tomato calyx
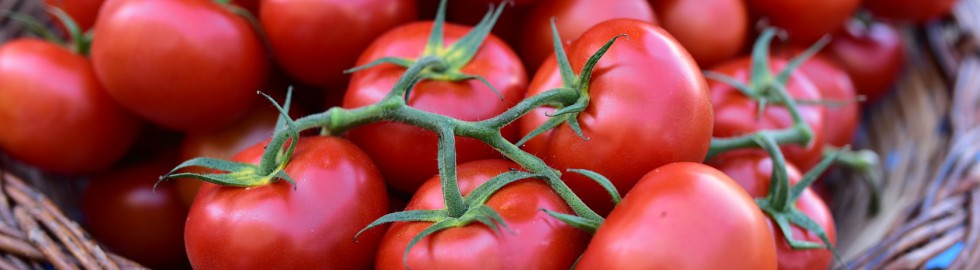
{"points": [[452, 58], [79, 42]]}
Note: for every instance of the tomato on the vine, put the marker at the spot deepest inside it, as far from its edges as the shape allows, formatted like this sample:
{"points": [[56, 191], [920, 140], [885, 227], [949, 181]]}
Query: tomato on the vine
{"points": [[873, 55], [196, 73], [338, 192], [405, 154], [753, 170], [688, 21], [917, 11], [572, 17], [805, 20], [315, 41], [683, 216], [649, 106], [516, 246], [54, 112], [132, 218]]}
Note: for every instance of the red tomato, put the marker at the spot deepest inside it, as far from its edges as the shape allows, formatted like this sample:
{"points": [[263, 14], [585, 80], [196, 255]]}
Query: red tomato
{"points": [[83, 12], [124, 212], [572, 17], [406, 154], [805, 20], [338, 192], [649, 107], [193, 74], [736, 113], [752, 170], [917, 11], [250, 5], [55, 113], [689, 20], [873, 56], [316, 40], [478, 246], [840, 122], [683, 216]]}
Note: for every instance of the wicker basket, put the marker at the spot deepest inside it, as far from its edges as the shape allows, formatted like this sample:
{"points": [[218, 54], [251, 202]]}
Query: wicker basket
{"points": [[927, 132]]}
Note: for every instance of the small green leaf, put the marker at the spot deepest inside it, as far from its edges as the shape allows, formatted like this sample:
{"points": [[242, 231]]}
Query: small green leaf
{"points": [[412, 215], [435, 44], [456, 76], [402, 62], [492, 214], [760, 72], [544, 127], [567, 75], [438, 226], [783, 76], [274, 149], [481, 194], [281, 174], [210, 163], [578, 222], [814, 173], [785, 229], [721, 77], [572, 121], [460, 53], [586, 74], [602, 181]]}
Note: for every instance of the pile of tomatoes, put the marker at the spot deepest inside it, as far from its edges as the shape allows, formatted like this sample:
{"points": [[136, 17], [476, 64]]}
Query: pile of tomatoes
{"points": [[130, 88]]}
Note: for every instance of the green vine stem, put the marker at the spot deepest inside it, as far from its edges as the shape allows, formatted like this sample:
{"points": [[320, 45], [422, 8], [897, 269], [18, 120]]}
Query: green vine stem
{"points": [[79, 41]]}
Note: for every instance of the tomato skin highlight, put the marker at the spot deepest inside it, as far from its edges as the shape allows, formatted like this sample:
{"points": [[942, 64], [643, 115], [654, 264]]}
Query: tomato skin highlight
{"points": [[194, 74], [873, 57], [47, 93], [538, 241], [128, 215], [649, 107], [572, 17], [316, 40], [405, 154], [688, 20], [338, 193], [683, 216], [805, 20], [752, 170]]}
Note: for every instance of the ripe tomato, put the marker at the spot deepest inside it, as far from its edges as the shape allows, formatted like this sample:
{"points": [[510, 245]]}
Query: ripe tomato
{"points": [[872, 55], [917, 11], [405, 154], [736, 113], [54, 112], [126, 214], [572, 17], [840, 121], [689, 20], [805, 20], [338, 192], [752, 170], [316, 40], [649, 107], [193, 74], [478, 246], [683, 216], [83, 12]]}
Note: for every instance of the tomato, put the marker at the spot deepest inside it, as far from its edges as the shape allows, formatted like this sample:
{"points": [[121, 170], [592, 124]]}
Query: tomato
{"points": [[478, 246], [752, 170], [683, 216], [834, 85], [405, 154], [917, 11], [338, 192], [54, 112], [250, 5], [193, 74], [689, 20], [316, 40], [872, 55], [736, 113], [126, 214], [649, 107], [805, 20], [572, 17], [83, 12]]}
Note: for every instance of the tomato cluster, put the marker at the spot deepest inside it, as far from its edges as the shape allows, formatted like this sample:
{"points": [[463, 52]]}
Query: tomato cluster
{"points": [[510, 144]]}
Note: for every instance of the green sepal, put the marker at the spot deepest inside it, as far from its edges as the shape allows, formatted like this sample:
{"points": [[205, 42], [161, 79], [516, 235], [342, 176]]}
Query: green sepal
{"points": [[760, 73], [234, 173], [814, 173], [412, 215], [274, 156], [564, 67], [282, 121], [549, 124], [435, 44], [723, 78], [402, 62], [783, 76], [486, 215], [466, 47], [438, 226], [586, 75], [482, 193], [455, 76], [578, 222], [602, 181]]}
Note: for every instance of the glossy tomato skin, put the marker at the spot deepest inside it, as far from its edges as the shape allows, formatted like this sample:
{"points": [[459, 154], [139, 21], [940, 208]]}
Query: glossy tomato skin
{"points": [[275, 226], [572, 17], [126, 214], [805, 20], [83, 12], [649, 107], [736, 113], [47, 93], [405, 154], [478, 246], [910, 10], [872, 55], [683, 216], [689, 20], [316, 40], [193, 74], [833, 83], [752, 171]]}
